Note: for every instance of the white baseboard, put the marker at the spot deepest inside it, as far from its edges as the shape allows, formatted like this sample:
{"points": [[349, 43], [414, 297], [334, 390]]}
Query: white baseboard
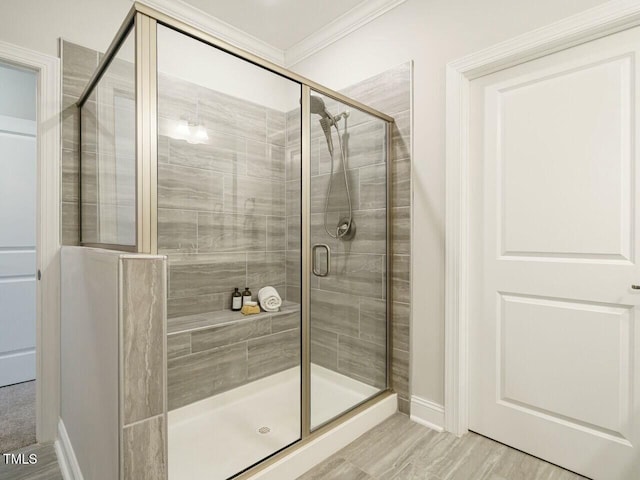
{"points": [[66, 457], [427, 413], [308, 456]]}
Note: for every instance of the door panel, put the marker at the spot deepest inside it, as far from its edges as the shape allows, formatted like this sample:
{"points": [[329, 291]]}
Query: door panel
{"points": [[545, 345], [554, 349], [579, 151], [17, 251]]}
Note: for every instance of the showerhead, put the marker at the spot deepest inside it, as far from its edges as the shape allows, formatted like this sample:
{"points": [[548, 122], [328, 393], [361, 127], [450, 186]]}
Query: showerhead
{"points": [[318, 107]]}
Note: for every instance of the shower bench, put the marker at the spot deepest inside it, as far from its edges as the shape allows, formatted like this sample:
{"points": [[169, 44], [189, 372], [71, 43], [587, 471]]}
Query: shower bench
{"points": [[213, 352]]}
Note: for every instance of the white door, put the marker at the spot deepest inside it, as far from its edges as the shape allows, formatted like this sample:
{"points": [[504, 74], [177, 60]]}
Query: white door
{"points": [[554, 335], [17, 226]]}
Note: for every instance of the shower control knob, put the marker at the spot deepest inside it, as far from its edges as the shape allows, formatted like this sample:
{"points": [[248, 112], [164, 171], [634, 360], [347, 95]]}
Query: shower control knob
{"points": [[635, 287]]}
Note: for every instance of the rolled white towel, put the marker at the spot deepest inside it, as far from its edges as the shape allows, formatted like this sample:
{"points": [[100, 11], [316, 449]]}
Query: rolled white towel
{"points": [[269, 299]]}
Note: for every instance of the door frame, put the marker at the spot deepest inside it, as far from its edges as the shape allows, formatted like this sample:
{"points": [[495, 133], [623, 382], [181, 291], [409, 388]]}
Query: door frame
{"points": [[597, 22], [47, 70]]}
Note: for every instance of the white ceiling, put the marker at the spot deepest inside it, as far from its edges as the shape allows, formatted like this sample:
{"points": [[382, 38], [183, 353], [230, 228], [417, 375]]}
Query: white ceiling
{"points": [[281, 23]]}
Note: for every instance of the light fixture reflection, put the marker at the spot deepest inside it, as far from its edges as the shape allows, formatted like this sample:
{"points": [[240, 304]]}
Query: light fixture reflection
{"points": [[190, 132]]}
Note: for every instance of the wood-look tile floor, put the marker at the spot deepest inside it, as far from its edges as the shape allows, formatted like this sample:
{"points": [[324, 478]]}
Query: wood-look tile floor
{"points": [[45, 469], [399, 449]]}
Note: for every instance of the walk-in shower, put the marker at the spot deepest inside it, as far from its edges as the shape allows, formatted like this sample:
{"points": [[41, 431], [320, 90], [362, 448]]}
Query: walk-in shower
{"points": [[244, 175]]}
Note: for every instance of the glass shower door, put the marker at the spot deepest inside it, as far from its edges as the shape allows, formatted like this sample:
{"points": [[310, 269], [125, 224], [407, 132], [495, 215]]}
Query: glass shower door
{"points": [[228, 218], [348, 279]]}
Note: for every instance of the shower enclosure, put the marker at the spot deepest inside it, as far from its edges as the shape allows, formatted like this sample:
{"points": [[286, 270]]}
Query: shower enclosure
{"points": [[244, 175]]}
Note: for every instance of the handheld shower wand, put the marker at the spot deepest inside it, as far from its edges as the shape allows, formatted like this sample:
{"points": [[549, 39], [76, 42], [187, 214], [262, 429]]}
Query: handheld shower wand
{"points": [[346, 226]]}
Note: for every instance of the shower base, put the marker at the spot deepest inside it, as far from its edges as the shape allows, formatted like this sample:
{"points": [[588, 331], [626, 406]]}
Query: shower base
{"points": [[218, 437]]}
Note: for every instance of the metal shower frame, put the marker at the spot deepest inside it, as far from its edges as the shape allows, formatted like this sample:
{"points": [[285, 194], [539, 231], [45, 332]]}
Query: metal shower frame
{"points": [[143, 20]]}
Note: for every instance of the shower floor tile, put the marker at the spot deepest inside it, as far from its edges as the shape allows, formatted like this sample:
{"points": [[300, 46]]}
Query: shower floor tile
{"points": [[224, 434]]}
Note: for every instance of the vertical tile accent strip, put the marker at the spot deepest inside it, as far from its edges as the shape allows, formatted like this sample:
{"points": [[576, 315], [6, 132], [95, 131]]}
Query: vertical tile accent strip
{"points": [[143, 357], [142, 338]]}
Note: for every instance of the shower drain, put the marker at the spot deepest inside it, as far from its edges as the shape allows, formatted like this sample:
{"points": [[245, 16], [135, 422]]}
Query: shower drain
{"points": [[264, 430]]}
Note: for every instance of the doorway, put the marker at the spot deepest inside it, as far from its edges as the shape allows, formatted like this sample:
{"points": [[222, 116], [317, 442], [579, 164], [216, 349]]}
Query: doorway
{"points": [[553, 257], [18, 180]]}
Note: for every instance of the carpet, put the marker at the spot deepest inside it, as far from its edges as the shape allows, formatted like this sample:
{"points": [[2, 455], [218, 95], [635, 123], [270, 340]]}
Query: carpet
{"points": [[17, 416]]}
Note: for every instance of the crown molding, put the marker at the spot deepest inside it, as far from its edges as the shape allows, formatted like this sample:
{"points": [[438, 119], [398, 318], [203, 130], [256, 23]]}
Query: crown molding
{"points": [[350, 21], [214, 26]]}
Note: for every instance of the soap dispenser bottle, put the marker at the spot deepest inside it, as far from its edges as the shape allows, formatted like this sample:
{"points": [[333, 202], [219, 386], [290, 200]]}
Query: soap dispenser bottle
{"points": [[246, 296], [236, 301]]}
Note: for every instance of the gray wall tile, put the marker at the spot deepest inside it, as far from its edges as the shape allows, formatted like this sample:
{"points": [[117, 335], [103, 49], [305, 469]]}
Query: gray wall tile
{"points": [[400, 373], [401, 277], [192, 275], [373, 187], [287, 321], [294, 266], [272, 354], [223, 153], [373, 320], [265, 268], [276, 127], [401, 230], [324, 348], [338, 199], [238, 331], [189, 188], [370, 227], [401, 177], [225, 232], [182, 306], [177, 230], [293, 198], [70, 223], [232, 115], [207, 373], [144, 450], [178, 345], [334, 311], [362, 360], [78, 65], [70, 165], [294, 232], [276, 233], [253, 196], [357, 274], [401, 314], [143, 286], [265, 160], [365, 146]]}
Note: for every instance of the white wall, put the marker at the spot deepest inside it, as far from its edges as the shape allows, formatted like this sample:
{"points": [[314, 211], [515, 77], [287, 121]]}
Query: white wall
{"points": [[432, 33], [37, 24], [89, 358]]}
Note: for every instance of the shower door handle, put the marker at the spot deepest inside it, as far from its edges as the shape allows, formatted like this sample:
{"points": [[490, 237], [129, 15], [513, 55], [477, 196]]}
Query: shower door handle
{"points": [[314, 259]]}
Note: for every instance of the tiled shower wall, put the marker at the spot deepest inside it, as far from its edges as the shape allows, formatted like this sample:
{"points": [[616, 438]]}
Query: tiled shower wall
{"points": [[78, 65], [390, 92], [221, 209], [348, 306]]}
